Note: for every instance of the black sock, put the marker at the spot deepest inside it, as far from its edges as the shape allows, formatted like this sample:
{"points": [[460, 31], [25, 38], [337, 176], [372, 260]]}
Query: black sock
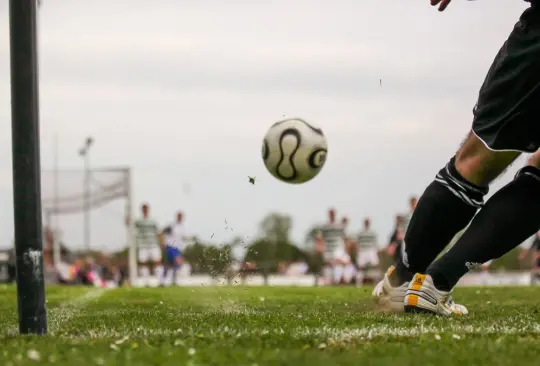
{"points": [[507, 220], [447, 205]]}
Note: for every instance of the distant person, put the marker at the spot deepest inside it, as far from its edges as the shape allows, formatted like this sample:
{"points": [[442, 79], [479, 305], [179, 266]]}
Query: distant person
{"points": [[342, 268], [406, 217], [404, 225], [332, 239], [349, 269], [534, 249], [296, 269], [396, 239], [174, 237], [148, 244], [368, 251], [485, 272]]}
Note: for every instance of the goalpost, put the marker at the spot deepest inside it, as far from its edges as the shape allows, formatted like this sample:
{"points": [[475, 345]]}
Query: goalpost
{"points": [[66, 194]]}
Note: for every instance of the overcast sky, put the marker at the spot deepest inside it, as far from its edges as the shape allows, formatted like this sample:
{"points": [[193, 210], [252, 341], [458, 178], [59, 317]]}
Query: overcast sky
{"points": [[182, 91]]}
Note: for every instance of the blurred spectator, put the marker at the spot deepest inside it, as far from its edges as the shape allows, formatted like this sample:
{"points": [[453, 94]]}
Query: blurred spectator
{"points": [[534, 249], [147, 239], [368, 253], [296, 269], [396, 239], [332, 240]]}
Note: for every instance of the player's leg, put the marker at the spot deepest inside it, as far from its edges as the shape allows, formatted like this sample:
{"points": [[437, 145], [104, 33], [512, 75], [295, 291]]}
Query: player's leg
{"points": [[177, 264], [337, 273], [347, 273], [485, 272], [373, 262], [507, 220], [506, 118], [157, 263], [361, 265], [448, 204], [143, 259], [327, 274], [505, 124], [446, 207], [329, 260], [535, 276], [168, 262]]}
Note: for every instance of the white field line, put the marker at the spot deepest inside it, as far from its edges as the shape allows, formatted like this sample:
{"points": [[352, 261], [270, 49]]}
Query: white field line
{"points": [[62, 314], [326, 334]]}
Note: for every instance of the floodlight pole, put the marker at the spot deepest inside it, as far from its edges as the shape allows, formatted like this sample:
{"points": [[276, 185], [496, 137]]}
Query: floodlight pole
{"points": [[84, 153], [26, 167]]}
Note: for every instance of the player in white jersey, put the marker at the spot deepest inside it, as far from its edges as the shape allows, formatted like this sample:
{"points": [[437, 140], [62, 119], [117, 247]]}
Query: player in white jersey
{"points": [[368, 251], [174, 238], [343, 268], [332, 237], [148, 244]]}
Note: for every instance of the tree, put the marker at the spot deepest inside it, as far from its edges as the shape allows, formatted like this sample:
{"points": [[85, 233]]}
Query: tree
{"points": [[208, 259], [274, 245], [276, 228], [310, 237]]}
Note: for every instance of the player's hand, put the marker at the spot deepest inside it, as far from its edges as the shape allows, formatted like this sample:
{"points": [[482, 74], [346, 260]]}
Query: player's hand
{"points": [[443, 4]]}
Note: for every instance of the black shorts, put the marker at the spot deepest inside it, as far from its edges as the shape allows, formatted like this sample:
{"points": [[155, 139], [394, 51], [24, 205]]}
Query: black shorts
{"points": [[507, 114]]}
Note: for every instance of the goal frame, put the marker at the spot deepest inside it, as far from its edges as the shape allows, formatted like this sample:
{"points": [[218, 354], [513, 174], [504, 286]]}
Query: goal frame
{"points": [[128, 214]]}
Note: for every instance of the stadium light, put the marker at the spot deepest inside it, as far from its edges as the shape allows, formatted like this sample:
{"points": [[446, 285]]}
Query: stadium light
{"points": [[84, 152], [26, 166]]}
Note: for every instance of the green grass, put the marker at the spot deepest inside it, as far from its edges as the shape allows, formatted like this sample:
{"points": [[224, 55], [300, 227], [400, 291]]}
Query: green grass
{"points": [[269, 326]]}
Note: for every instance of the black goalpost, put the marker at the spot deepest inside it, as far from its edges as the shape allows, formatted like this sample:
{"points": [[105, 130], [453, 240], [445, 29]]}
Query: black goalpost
{"points": [[26, 166]]}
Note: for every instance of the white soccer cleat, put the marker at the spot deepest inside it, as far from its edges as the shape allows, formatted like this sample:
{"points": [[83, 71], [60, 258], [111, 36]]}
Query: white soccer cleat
{"points": [[387, 297], [423, 297]]}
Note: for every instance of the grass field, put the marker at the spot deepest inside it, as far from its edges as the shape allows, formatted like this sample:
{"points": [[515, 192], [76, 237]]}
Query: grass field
{"points": [[269, 326]]}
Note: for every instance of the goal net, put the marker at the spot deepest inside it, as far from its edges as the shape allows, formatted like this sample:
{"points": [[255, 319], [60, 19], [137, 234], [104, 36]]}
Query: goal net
{"points": [[89, 211]]}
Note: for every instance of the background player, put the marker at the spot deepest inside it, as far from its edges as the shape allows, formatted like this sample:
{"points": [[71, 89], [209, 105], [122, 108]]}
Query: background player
{"points": [[344, 269], [367, 256], [534, 249], [485, 272], [148, 244], [332, 240], [394, 244], [174, 246]]}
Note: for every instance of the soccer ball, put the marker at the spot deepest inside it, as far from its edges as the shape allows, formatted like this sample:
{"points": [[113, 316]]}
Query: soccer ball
{"points": [[294, 151]]}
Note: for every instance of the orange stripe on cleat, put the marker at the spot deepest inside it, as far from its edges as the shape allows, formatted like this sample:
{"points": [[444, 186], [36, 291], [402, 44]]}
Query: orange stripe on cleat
{"points": [[412, 300], [418, 281]]}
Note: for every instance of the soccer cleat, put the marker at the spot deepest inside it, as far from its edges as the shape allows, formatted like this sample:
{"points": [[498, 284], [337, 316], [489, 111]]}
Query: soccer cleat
{"points": [[387, 297], [423, 297]]}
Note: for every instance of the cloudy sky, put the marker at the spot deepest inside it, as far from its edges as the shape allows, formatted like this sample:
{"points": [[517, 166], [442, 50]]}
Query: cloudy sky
{"points": [[183, 92]]}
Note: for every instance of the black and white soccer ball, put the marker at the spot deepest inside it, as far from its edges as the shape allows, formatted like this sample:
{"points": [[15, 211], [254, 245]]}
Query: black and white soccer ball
{"points": [[294, 151]]}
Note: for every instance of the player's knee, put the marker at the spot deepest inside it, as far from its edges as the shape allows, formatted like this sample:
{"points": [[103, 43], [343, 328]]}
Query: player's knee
{"points": [[534, 160], [452, 180], [479, 165]]}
